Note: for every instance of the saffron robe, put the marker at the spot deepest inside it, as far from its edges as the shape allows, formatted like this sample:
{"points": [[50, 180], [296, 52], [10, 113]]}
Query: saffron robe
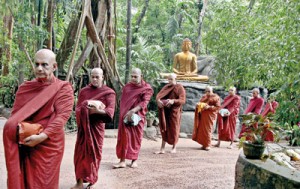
{"points": [[130, 137], [255, 106], [267, 110], [203, 122], [169, 118], [226, 125], [90, 135], [50, 104]]}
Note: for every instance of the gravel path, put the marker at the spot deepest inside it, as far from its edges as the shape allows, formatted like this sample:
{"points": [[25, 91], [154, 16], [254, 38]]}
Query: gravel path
{"points": [[189, 168]]}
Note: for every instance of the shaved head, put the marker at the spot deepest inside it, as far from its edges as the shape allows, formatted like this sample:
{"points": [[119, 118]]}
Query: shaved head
{"points": [[45, 64], [97, 70], [46, 53], [172, 78], [136, 76]]}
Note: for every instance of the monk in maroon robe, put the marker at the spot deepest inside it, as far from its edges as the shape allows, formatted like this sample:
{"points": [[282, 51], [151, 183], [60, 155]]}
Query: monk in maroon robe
{"points": [[270, 108], [227, 122], [255, 106], [48, 101], [134, 100], [204, 120], [95, 107], [170, 100]]}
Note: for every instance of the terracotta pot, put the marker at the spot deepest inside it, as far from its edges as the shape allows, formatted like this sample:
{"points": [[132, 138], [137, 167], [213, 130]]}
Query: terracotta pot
{"points": [[253, 151]]}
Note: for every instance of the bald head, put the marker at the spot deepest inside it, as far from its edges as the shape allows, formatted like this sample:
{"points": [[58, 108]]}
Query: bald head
{"points": [[46, 53], [255, 92], [45, 64], [232, 90], [97, 77], [172, 78], [136, 76], [208, 90]]}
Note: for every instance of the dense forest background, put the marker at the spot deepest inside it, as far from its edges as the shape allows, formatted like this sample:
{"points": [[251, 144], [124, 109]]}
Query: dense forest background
{"points": [[255, 42]]}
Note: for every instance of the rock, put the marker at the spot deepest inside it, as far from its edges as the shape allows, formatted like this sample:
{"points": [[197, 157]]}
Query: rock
{"points": [[150, 133], [183, 135]]}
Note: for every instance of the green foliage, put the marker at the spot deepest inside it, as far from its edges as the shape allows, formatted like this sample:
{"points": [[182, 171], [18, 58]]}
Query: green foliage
{"points": [[293, 134], [8, 87]]}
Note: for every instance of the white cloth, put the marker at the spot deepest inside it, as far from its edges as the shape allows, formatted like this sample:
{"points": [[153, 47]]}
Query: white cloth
{"points": [[223, 112], [135, 118]]}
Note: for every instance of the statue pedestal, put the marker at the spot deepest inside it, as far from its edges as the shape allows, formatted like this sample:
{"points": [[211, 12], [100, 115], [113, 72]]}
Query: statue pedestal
{"points": [[195, 78]]}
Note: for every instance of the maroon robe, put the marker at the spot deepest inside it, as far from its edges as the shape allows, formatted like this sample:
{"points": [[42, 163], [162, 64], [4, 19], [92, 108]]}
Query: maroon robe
{"points": [[130, 137], [88, 148], [226, 125], [254, 106], [49, 104], [267, 110], [204, 121], [169, 118]]}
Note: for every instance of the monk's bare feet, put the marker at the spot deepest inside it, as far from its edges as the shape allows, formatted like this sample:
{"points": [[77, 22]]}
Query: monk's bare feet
{"points": [[133, 164], [90, 186], [159, 152], [230, 147], [78, 185], [205, 148], [173, 151], [121, 164], [216, 145]]}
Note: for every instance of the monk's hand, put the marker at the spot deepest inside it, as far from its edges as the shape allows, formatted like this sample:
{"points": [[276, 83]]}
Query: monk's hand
{"points": [[34, 140], [170, 102], [129, 115], [160, 104]]}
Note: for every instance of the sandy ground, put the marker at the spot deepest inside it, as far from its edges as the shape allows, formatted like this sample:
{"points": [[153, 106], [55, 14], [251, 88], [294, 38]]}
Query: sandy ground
{"points": [[189, 168]]}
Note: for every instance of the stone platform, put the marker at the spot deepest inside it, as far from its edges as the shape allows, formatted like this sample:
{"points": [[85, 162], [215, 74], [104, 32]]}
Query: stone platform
{"points": [[265, 174]]}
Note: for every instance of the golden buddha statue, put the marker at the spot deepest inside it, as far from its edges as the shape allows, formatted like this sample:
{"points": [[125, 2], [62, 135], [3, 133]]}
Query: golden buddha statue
{"points": [[185, 64]]}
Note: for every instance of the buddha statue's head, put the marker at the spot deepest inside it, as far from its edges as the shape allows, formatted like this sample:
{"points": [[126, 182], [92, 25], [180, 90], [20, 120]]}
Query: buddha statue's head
{"points": [[186, 44]]}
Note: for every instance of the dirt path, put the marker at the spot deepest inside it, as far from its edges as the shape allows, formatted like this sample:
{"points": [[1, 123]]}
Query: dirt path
{"points": [[190, 168]]}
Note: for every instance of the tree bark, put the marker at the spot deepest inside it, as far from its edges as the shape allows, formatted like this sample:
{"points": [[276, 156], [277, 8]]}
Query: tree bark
{"points": [[128, 41], [8, 22], [51, 7], [139, 20], [201, 17]]}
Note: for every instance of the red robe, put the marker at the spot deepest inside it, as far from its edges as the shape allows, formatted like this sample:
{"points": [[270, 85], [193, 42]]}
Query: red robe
{"points": [[226, 125], [49, 104], [254, 106], [267, 110], [203, 122], [169, 118], [130, 137], [88, 148]]}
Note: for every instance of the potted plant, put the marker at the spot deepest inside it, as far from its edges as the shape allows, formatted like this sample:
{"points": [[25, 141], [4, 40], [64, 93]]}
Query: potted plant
{"points": [[150, 116], [253, 141]]}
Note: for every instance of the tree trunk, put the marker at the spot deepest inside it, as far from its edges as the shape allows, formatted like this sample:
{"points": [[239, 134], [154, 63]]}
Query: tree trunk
{"points": [[51, 7], [138, 23], [128, 41], [8, 23], [201, 17]]}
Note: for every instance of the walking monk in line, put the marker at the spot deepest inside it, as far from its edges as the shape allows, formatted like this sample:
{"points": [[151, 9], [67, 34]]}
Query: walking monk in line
{"points": [[226, 122], [255, 106], [34, 162], [270, 108], [170, 100], [95, 107], [134, 100], [205, 115]]}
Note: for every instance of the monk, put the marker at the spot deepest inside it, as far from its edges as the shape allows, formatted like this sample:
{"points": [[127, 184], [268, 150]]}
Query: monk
{"points": [[185, 62], [255, 106], [95, 107], [204, 119], [48, 101], [170, 100], [270, 108], [227, 122], [134, 100]]}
